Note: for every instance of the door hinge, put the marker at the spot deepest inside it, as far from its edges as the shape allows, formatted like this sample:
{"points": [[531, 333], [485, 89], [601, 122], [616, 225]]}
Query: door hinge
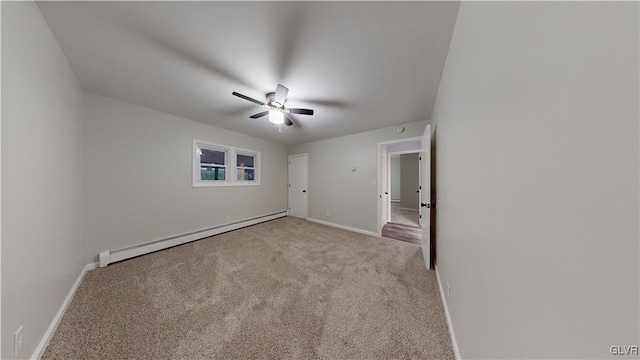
{"points": [[420, 187], [289, 185], [289, 207], [420, 158], [420, 216], [289, 162]]}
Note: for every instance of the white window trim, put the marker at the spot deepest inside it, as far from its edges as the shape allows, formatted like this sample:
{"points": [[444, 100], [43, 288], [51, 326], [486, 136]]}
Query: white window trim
{"points": [[230, 165]]}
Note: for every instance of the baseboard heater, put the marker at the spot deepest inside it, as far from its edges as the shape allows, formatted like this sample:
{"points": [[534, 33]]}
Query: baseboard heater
{"points": [[111, 256]]}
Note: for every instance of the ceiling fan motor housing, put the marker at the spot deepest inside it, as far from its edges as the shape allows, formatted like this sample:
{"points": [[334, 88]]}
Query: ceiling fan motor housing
{"points": [[271, 102]]}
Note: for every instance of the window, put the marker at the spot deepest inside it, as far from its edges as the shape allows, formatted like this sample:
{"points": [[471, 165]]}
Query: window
{"points": [[245, 167], [215, 164], [212, 164]]}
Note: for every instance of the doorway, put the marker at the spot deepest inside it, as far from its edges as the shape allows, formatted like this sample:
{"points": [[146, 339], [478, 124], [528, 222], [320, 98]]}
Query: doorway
{"points": [[400, 190], [298, 183]]}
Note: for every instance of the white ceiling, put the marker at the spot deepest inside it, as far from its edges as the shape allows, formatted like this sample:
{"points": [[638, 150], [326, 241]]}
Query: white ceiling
{"points": [[359, 65]]}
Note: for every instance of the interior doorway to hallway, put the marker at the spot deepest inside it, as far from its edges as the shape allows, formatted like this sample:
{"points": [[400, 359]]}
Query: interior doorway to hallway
{"points": [[422, 145], [400, 190]]}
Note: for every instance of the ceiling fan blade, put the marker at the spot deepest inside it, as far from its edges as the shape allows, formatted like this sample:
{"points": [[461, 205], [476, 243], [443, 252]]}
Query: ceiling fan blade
{"points": [[259, 115], [301, 111], [281, 94], [288, 121], [248, 98]]}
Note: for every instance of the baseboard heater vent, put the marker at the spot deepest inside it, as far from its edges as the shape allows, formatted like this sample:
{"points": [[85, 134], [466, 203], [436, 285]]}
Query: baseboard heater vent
{"points": [[111, 256]]}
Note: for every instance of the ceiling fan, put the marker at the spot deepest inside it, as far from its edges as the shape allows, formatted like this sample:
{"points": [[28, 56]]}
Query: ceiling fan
{"points": [[275, 104]]}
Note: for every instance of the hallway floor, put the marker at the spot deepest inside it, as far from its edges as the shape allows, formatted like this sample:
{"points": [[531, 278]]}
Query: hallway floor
{"points": [[404, 225], [403, 216], [402, 232]]}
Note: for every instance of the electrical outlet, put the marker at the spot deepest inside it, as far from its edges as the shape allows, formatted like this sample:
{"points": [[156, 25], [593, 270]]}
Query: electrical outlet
{"points": [[328, 213], [448, 289], [228, 218], [17, 341]]}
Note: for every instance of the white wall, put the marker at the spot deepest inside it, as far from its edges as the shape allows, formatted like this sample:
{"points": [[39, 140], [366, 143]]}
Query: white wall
{"points": [[409, 178], [350, 197], [537, 125], [42, 158], [138, 180], [394, 169]]}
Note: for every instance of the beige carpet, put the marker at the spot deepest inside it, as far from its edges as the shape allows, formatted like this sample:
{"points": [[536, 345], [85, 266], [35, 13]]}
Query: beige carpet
{"points": [[287, 288]]}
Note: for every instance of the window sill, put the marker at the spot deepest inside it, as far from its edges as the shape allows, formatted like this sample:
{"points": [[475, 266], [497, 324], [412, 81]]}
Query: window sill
{"points": [[226, 184]]}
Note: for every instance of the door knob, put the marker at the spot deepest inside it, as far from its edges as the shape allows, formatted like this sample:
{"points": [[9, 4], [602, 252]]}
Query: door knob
{"points": [[425, 205]]}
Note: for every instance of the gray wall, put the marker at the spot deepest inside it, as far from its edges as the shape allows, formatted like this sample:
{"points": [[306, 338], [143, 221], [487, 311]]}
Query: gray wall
{"points": [[349, 196], [42, 245], [394, 172], [138, 180], [537, 122], [409, 170]]}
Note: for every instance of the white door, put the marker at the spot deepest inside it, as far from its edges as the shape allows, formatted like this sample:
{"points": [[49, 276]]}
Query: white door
{"points": [[425, 194], [298, 181], [421, 210], [384, 187]]}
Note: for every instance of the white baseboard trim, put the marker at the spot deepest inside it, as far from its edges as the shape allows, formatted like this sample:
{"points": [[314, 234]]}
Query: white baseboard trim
{"points": [[408, 209], [111, 256], [452, 334], [371, 233], [44, 342], [395, 200]]}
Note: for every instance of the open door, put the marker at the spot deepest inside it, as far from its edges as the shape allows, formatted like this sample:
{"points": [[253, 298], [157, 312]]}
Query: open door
{"points": [[421, 210], [425, 195]]}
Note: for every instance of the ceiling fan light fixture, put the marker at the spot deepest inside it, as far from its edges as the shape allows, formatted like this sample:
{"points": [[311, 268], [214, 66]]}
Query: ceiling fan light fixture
{"points": [[275, 105], [276, 117]]}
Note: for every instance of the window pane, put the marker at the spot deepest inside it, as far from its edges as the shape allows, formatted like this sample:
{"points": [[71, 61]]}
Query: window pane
{"points": [[246, 175], [245, 160], [212, 157], [212, 173]]}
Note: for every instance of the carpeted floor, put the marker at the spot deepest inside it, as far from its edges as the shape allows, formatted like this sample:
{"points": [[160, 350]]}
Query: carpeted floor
{"points": [[287, 288]]}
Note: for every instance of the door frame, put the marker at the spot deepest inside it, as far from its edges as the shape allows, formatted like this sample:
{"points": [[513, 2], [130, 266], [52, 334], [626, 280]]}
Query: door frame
{"points": [[433, 212], [289, 183], [384, 181], [425, 180], [386, 163]]}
